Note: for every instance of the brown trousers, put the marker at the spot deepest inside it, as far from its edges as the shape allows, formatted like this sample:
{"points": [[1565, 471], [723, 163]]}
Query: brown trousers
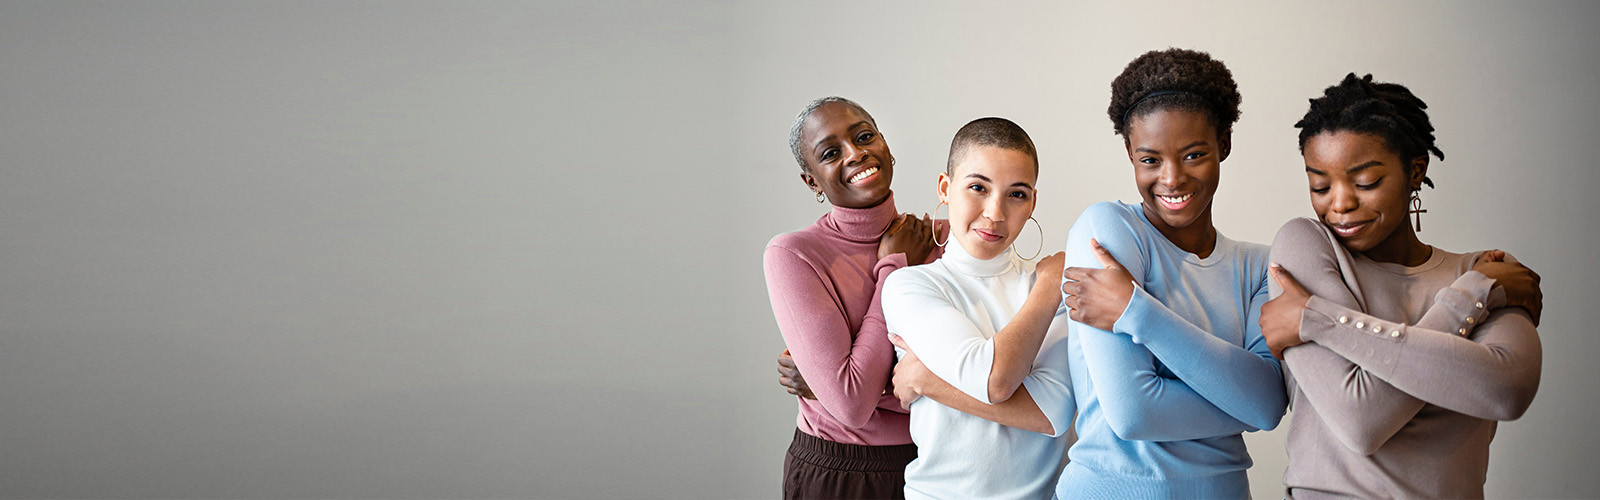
{"points": [[819, 469]]}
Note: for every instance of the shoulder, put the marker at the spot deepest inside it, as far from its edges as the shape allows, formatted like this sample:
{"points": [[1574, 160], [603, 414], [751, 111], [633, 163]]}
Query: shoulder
{"points": [[1109, 213], [913, 277], [1114, 224], [1303, 235]]}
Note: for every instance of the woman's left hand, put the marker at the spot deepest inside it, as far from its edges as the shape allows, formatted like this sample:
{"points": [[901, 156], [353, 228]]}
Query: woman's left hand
{"points": [[909, 374], [1097, 297], [1280, 317]]}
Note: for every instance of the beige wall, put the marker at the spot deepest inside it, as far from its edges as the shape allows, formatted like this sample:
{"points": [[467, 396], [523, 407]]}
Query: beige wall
{"points": [[472, 250]]}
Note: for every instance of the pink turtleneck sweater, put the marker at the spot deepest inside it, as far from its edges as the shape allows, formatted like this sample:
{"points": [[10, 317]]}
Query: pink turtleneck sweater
{"points": [[824, 281]]}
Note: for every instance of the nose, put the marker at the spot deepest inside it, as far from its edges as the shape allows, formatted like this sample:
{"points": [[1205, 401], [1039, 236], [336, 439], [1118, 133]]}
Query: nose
{"points": [[1342, 199], [857, 155], [994, 209], [1171, 175]]}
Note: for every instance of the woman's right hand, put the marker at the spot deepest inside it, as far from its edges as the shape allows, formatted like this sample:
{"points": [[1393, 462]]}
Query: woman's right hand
{"points": [[908, 235], [1521, 284]]}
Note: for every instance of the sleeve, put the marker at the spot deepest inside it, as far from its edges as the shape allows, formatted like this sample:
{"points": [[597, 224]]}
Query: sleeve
{"points": [[847, 370], [1050, 383], [1138, 403], [946, 341], [1491, 372], [1247, 384]]}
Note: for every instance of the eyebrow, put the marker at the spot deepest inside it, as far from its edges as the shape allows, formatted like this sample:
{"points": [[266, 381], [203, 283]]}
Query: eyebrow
{"points": [[1184, 148], [825, 140], [986, 179], [1350, 170]]}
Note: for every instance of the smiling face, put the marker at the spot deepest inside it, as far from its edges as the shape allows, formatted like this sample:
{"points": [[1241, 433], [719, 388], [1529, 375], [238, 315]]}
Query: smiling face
{"points": [[991, 196], [1177, 157], [1361, 190], [845, 156]]}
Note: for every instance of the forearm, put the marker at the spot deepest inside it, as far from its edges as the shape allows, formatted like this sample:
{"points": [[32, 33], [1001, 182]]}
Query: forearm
{"points": [[1247, 385], [1362, 410], [1491, 374], [1140, 404], [1019, 411], [1017, 345]]}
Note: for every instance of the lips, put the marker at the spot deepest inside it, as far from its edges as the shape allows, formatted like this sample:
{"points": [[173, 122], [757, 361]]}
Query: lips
{"points": [[1348, 229], [866, 174], [1175, 202], [987, 236]]}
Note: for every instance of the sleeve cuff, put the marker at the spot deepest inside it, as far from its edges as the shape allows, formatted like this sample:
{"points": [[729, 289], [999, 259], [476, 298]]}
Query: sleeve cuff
{"points": [[1135, 314]]}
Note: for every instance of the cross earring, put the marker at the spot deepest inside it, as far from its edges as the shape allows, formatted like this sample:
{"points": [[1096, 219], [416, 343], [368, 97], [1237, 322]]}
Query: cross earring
{"points": [[1417, 210]]}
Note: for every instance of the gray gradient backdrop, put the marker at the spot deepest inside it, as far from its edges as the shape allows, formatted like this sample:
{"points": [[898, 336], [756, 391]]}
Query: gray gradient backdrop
{"points": [[480, 249]]}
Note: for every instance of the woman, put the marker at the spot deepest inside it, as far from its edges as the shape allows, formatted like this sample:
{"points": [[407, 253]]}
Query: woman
{"points": [[980, 333], [1401, 356], [1167, 360], [824, 280]]}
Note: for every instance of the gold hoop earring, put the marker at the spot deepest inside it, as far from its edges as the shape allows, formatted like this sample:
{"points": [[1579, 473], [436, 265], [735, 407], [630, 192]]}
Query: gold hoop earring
{"points": [[1416, 209], [1041, 241], [821, 198], [936, 225]]}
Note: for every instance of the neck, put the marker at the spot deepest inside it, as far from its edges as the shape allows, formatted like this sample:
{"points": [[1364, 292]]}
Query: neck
{"points": [[1199, 237], [1402, 247]]}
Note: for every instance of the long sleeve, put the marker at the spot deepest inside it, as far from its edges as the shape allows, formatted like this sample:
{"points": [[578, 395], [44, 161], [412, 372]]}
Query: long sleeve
{"points": [[946, 341], [1493, 375], [848, 371], [1138, 402], [1247, 384], [1050, 382]]}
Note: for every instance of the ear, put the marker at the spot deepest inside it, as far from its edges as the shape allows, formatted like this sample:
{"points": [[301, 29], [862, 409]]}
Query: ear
{"points": [[1419, 170], [811, 182], [1225, 143], [943, 188]]}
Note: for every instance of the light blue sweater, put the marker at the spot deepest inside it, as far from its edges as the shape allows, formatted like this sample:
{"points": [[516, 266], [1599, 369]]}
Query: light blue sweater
{"points": [[1163, 397]]}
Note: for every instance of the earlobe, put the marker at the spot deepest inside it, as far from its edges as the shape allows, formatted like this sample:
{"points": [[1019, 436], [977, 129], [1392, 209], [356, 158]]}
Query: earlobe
{"points": [[811, 182]]}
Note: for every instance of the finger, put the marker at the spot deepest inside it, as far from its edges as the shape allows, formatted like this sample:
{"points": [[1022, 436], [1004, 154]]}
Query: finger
{"points": [[786, 361], [1075, 273], [1072, 288], [1286, 280], [1104, 256], [899, 342], [1075, 314]]}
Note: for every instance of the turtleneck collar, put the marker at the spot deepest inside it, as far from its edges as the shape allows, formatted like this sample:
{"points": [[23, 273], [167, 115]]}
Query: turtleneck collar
{"points": [[957, 259], [862, 225]]}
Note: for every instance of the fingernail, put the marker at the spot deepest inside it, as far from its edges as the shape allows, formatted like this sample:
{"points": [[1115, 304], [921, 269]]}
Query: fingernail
{"points": [[1275, 264]]}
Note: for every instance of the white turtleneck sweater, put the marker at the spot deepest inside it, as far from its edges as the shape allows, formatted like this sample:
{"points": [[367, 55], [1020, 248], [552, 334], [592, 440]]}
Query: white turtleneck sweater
{"points": [[948, 312]]}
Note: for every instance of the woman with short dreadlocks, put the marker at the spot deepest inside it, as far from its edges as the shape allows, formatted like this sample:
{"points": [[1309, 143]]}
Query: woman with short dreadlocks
{"points": [[1400, 357]]}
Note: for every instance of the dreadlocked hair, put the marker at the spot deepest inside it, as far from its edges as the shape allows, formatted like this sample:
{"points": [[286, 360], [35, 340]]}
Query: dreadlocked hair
{"points": [[1387, 110], [1181, 79]]}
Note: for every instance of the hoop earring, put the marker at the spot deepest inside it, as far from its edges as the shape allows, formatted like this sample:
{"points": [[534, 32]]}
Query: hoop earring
{"points": [[1041, 241], [1416, 209], [936, 225], [821, 198]]}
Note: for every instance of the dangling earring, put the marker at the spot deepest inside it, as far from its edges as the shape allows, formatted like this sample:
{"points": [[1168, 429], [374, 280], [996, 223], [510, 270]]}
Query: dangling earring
{"points": [[1416, 209], [821, 198], [936, 225], [1041, 241]]}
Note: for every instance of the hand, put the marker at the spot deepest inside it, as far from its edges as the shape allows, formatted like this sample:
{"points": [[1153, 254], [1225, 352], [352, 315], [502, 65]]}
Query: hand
{"points": [[1097, 297], [1521, 284], [1280, 317], [789, 377], [909, 374], [908, 235], [1049, 269]]}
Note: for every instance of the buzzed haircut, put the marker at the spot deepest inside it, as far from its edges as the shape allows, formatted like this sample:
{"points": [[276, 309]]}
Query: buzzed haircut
{"points": [[993, 132]]}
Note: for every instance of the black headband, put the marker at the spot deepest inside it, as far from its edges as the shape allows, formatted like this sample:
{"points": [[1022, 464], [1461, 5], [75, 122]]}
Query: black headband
{"points": [[1148, 96]]}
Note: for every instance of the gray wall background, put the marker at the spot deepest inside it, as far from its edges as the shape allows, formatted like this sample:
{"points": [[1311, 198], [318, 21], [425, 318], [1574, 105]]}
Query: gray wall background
{"points": [[500, 249]]}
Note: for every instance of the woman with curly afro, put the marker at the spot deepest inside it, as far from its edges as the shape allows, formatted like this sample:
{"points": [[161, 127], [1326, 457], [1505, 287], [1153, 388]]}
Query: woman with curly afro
{"points": [[1166, 356]]}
